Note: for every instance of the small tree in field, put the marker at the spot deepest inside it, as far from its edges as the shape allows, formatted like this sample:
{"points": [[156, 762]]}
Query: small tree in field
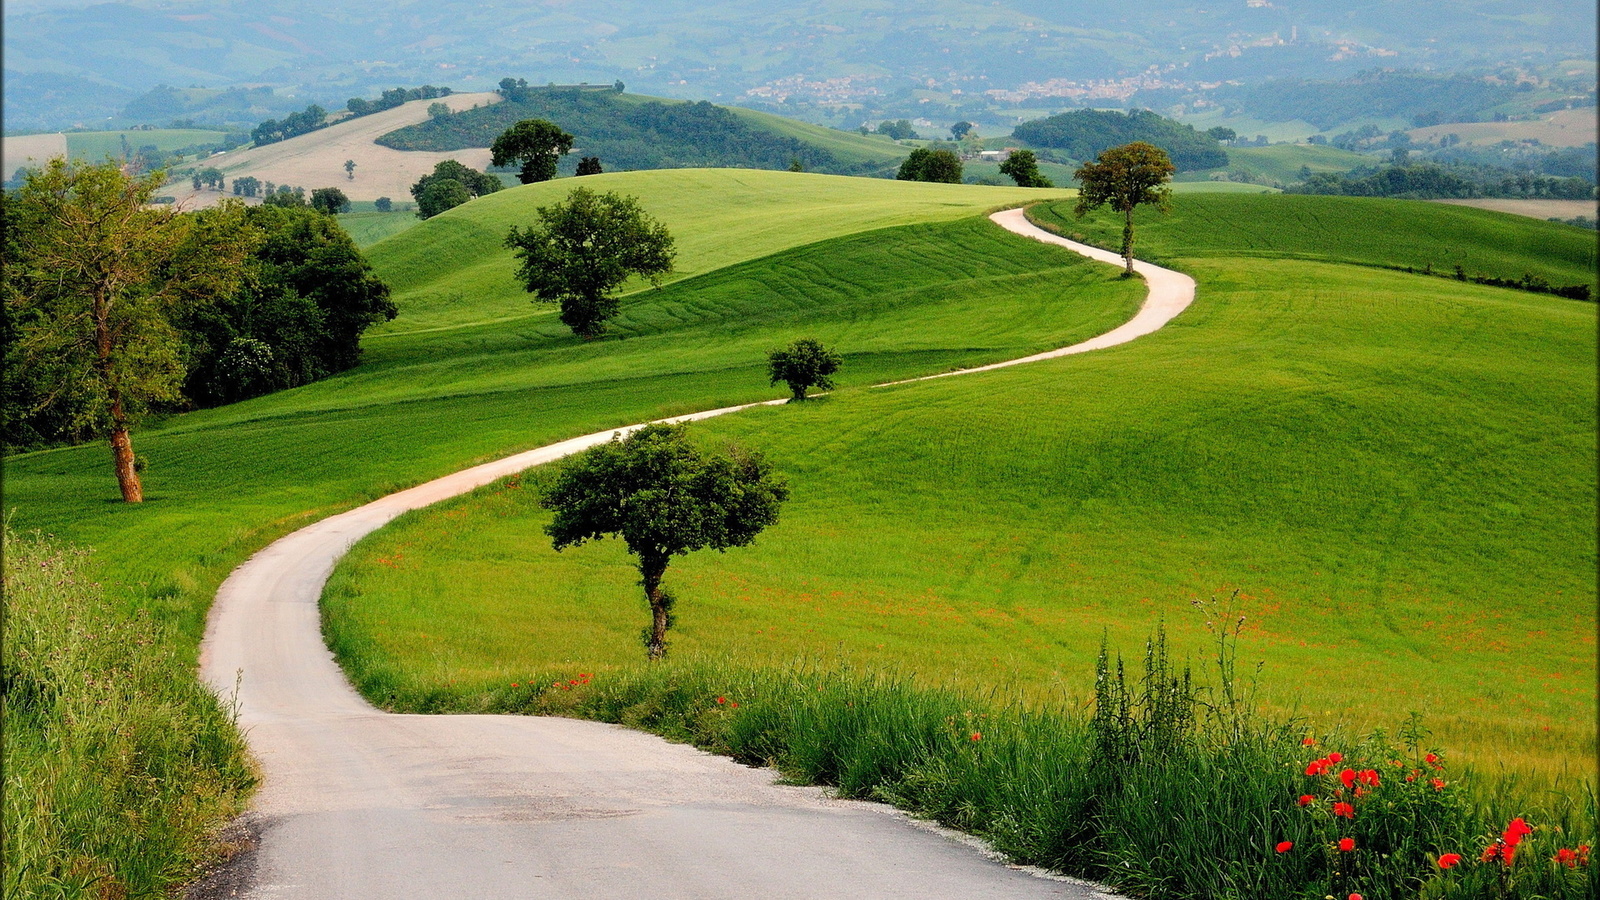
{"points": [[1023, 167], [664, 498], [330, 200], [931, 165], [583, 249], [803, 365], [1124, 178], [590, 165], [538, 144], [350, 169]]}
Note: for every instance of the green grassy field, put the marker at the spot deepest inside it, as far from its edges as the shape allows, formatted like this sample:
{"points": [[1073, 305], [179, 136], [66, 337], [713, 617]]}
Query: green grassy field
{"points": [[1282, 162], [367, 227], [97, 145], [1415, 512], [222, 482], [849, 146], [453, 269], [1363, 231]]}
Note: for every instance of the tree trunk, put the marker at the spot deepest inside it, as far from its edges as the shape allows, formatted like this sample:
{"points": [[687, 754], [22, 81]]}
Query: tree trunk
{"points": [[1127, 241], [652, 568], [122, 459]]}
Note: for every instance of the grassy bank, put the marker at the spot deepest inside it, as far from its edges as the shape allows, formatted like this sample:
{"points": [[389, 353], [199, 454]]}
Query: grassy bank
{"points": [[118, 764]]}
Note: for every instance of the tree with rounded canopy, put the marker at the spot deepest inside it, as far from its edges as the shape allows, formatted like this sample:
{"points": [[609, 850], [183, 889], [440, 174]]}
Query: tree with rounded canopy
{"points": [[589, 165], [1125, 178], [1023, 167], [959, 130], [92, 279], [803, 365], [470, 183], [664, 498], [931, 165], [329, 200], [581, 251], [537, 143]]}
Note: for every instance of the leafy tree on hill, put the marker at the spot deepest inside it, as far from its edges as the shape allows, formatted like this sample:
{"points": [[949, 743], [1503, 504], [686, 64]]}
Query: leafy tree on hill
{"points": [[1084, 133], [329, 201], [589, 165], [900, 130], [449, 185], [92, 283], [959, 130], [537, 144], [931, 165], [286, 196], [1023, 167], [383, 204], [1222, 135], [350, 169], [1125, 178], [664, 498], [583, 249], [803, 365], [246, 186]]}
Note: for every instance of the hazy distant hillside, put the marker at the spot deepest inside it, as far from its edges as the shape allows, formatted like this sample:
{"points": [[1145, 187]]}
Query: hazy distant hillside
{"points": [[954, 54]]}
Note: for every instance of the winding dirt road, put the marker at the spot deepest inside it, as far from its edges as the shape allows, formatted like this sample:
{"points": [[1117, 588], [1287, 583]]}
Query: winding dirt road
{"points": [[359, 803]]}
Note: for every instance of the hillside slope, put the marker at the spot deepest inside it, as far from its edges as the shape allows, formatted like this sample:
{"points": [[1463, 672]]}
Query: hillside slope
{"points": [[317, 159]]}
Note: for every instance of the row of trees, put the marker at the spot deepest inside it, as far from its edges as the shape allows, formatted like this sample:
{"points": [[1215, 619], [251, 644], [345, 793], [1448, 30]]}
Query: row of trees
{"points": [[449, 185], [114, 308], [1430, 181], [293, 125], [389, 99], [1084, 133]]}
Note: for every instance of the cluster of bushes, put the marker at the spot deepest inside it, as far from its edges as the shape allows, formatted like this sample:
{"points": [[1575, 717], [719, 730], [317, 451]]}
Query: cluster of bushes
{"points": [[389, 99], [119, 764], [1083, 133], [1167, 790], [293, 125], [449, 185], [625, 134], [1528, 282]]}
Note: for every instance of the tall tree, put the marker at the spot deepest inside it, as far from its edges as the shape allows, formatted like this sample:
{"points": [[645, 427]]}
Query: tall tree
{"points": [[803, 365], [931, 165], [664, 498], [329, 200], [1125, 178], [537, 144], [93, 281], [1023, 167], [350, 169], [584, 248]]}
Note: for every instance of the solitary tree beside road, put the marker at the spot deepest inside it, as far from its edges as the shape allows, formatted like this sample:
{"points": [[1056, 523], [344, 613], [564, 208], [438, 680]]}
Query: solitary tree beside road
{"points": [[1023, 167], [1124, 178], [664, 498], [803, 365], [582, 249]]}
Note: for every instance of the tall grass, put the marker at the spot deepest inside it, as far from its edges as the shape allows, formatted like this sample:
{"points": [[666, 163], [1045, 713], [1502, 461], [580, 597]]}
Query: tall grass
{"points": [[1171, 788], [118, 764]]}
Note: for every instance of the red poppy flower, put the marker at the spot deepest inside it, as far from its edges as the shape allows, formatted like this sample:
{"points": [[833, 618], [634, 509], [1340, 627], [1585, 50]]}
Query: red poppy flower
{"points": [[1368, 777], [1335, 757], [1568, 858], [1344, 809], [1306, 799], [721, 700], [1489, 852], [1317, 767], [977, 736], [1285, 846], [1432, 759], [1438, 784], [1347, 844], [1348, 777], [514, 684], [733, 704], [1354, 896], [1449, 860], [1309, 742]]}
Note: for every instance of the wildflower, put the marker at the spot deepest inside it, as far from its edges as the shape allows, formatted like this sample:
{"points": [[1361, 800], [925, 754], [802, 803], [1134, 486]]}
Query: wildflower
{"points": [[1368, 777], [1432, 759], [1344, 809], [1355, 896], [1348, 777], [1347, 844], [1306, 799], [1335, 757], [1490, 852], [1449, 860], [1317, 767], [1309, 742], [514, 684], [1515, 831], [977, 736], [1568, 858], [721, 700], [1438, 784], [1285, 846], [733, 704]]}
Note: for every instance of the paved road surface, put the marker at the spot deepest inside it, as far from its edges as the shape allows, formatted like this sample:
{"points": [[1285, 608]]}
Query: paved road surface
{"points": [[358, 803]]}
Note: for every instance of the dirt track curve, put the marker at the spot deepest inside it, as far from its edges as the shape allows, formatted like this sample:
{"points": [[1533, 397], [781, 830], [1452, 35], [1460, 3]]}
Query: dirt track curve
{"points": [[359, 803]]}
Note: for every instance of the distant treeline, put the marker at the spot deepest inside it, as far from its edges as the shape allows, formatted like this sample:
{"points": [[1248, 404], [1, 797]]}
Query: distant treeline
{"points": [[1430, 181], [1419, 98], [1083, 133], [624, 133], [391, 98]]}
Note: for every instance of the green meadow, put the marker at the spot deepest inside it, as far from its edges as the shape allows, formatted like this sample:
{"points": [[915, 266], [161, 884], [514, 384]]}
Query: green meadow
{"points": [[1389, 475], [97, 145]]}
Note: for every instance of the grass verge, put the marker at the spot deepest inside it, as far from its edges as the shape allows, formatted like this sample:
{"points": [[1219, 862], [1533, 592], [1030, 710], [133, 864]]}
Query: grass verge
{"points": [[119, 765]]}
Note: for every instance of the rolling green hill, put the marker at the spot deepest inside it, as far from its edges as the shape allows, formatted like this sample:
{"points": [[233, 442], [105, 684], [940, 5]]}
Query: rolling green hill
{"points": [[1395, 472]]}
